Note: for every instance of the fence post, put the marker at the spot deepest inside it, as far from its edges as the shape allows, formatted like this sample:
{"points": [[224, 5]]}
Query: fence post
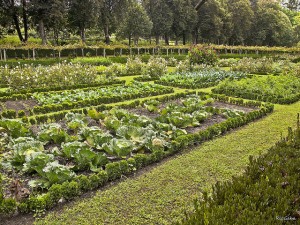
{"points": [[4, 54], [33, 54]]}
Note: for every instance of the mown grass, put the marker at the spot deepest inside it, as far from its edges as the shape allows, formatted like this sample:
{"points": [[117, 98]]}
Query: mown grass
{"points": [[161, 195]]}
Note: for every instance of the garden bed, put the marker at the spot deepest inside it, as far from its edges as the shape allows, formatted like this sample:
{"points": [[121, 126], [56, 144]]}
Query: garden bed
{"points": [[276, 89], [77, 155]]}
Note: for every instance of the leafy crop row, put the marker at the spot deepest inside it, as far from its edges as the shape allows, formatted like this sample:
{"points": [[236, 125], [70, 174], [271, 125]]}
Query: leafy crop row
{"points": [[275, 89], [199, 79]]}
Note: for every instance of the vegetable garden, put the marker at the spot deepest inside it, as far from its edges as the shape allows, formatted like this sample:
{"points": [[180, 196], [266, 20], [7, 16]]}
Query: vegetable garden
{"points": [[71, 128]]}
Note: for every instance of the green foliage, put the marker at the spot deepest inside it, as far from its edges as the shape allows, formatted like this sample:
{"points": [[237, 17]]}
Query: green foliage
{"points": [[96, 61], [113, 171], [156, 67], [118, 147], [83, 156], [134, 66], [70, 190], [8, 206], [199, 79], [257, 66], [64, 74], [277, 89], [202, 55], [52, 132], [267, 188]]}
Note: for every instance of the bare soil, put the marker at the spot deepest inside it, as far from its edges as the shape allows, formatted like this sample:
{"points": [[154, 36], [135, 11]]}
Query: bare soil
{"points": [[19, 105], [207, 123]]}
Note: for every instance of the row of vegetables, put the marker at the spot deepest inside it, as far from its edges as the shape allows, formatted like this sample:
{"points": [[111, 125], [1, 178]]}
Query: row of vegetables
{"points": [[281, 89], [85, 97], [103, 141], [199, 79]]}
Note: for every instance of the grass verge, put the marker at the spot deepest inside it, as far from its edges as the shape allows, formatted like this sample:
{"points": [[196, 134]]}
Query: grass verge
{"points": [[161, 195]]}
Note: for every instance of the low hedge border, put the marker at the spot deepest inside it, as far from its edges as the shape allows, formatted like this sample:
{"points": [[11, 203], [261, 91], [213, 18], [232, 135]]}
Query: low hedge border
{"points": [[145, 78], [113, 171], [186, 86]]}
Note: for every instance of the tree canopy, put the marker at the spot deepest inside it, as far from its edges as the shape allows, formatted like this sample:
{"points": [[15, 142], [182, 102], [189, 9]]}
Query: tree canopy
{"points": [[234, 22]]}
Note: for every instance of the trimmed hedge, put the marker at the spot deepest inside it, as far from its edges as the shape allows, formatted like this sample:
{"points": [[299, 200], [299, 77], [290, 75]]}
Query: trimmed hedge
{"points": [[145, 78], [267, 193]]}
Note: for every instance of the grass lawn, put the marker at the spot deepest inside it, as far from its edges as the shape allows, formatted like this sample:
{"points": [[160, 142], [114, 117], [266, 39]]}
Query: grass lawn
{"points": [[161, 195]]}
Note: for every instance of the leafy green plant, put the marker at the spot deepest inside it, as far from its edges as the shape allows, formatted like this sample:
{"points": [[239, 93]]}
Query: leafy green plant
{"points": [[15, 128], [156, 67], [199, 79], [84, 156], [95, 137], [118, 147], [202, 55], [52, 132]]}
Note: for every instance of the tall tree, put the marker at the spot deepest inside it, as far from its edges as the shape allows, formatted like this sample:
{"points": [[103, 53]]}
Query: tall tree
{"points": [[271, 26], [161, 15], [17, 10], [242, 15], [83, 15], [48, 14], [210, 21], [293, 5], [111, 11], [185, 20], [135, 24], [57, 17]]}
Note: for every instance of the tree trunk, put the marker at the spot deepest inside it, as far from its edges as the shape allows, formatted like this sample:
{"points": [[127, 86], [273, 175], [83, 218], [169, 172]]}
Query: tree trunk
{"points": [[25, 20], [176, 40], [17, 24], [167, 40], [157, 39], [106, 32], [183, 38], [195, 37], [4, 54], [42, 32], [82, 34], [55, 33], [129, 40], [136, 41]]}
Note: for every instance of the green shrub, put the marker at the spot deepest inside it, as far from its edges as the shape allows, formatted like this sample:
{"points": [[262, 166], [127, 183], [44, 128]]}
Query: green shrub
{"points": [[8, 206], [84, 183], [70, 190], [10, 114], [134, 66], [21, 113], [113, 171], [156, 67], [202, 55]]}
